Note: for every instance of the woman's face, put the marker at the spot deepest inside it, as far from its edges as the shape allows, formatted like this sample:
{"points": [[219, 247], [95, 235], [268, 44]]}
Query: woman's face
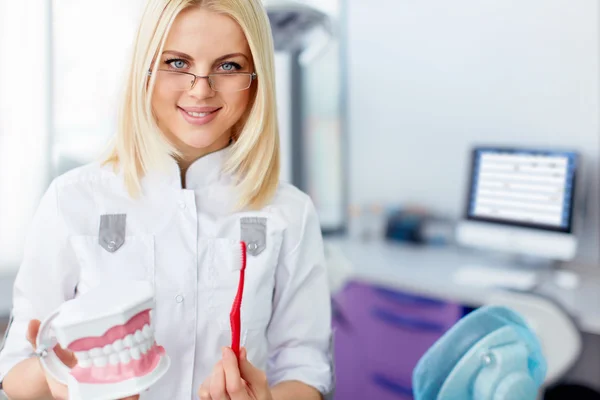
{"points": [[199, 121]]}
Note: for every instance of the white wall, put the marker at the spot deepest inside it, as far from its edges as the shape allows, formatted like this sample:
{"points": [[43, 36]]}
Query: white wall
{"points": [[430, 78]]}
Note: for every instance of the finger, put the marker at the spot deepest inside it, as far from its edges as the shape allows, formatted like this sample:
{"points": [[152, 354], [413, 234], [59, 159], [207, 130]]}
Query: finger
{"points": [[255, 378], [67, 357], [32, 331], [217, 383], [204, 391], [58, 390], [233, 379]]}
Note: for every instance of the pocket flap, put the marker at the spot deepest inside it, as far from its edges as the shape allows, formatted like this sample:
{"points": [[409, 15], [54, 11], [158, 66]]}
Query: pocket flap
{"points": [[253, 231], [111, 235]]}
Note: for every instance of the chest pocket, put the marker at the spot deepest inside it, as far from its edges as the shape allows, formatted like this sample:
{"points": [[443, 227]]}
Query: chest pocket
{"points": [[219, 275], [102, 263]]}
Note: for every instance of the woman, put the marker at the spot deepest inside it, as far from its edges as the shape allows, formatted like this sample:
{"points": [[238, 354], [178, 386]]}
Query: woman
{"points": [[193, 172]]}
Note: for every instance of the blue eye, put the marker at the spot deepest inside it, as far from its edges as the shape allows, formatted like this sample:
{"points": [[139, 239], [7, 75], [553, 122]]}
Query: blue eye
{"points": [[176, 63], [230, 67]]}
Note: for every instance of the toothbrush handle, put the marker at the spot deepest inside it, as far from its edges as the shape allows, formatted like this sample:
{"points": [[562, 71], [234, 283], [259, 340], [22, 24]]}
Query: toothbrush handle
{"points": [[235, 315]]}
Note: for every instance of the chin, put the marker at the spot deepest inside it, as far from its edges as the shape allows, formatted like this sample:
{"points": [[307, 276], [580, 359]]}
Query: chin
{"points": [[200, 140]]}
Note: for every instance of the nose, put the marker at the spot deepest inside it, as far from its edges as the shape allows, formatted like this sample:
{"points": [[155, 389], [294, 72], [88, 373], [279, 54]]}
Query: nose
{"points": [[201, 88]]}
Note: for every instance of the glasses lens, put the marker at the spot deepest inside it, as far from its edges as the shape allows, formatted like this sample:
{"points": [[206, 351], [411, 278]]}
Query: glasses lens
{"points": [[230, 82], [175, 80]]}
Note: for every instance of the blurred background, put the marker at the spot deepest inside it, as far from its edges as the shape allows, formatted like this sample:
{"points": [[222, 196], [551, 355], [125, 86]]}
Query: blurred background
{"points": [[451, 148]]}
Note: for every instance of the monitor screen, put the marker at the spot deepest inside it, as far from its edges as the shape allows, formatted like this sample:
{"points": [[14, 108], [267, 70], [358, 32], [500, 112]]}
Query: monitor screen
{"points": [[523, 187]]}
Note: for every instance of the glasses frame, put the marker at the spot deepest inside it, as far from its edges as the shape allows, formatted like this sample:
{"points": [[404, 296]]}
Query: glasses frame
{"points": [[209, 77]]}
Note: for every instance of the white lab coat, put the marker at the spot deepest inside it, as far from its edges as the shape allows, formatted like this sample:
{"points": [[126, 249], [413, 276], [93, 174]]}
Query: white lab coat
{"points": [[187, 242]]}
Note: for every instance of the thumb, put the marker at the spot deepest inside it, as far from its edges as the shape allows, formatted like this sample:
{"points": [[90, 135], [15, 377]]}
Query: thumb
{"points": [[32, 331]]}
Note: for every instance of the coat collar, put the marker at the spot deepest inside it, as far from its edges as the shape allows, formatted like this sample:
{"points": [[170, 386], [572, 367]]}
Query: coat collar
{"points": [[205, 171]]}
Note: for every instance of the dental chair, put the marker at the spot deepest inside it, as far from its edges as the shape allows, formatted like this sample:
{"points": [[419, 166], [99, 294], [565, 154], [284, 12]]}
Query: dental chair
{"points": [[508, 349]]}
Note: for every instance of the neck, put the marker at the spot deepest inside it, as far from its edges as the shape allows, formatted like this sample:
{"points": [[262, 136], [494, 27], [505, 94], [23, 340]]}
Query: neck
{"points": [[187, 160]]}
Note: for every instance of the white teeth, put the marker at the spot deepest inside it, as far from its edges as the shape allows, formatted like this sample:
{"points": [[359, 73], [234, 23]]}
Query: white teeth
{"points": [[128, 341], [100, 361], [96, 352], [197, 115], [118, 345], [124, 356], [145, 347], [113, 359], [139, 337], [133, 346], [135, 353], [85, 363], [147, 331]]}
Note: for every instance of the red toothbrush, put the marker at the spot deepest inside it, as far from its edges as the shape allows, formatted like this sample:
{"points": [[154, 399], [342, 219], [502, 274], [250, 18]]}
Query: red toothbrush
{"points": [[236, 308]]}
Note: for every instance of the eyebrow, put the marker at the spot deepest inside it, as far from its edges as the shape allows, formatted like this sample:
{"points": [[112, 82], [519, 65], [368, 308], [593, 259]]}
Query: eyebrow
{"points": [[226, 56]]}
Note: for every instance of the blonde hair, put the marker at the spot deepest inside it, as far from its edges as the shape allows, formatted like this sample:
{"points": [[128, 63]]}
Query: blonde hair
{"points": [[139, 145]]}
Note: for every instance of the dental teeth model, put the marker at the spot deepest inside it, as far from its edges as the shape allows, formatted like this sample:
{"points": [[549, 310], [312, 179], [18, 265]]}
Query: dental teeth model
{"points": [[109, 329]]}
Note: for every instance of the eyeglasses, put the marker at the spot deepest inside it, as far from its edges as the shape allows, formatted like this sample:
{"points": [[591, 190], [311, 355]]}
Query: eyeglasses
{"points": [[224, 82]]}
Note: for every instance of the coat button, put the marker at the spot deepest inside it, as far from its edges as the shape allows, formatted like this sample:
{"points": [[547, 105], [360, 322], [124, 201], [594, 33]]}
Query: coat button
{"points": [[252, 246], [111, 245], [182, 205], [179, 298]]}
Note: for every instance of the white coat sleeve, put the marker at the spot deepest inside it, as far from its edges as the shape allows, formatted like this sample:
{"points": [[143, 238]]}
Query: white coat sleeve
{"points": [[299, 333], [45, 279]]}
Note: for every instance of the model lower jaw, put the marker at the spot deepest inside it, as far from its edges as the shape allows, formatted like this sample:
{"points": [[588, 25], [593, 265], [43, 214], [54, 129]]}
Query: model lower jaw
{"points": [[118, 372]]}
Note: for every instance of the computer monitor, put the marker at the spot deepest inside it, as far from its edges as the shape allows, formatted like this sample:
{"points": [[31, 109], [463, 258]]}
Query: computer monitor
{"points": [[521, 201]]}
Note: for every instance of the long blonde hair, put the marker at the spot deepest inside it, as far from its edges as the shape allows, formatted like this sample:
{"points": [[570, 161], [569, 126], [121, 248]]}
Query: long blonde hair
{"points": [[139, 145]]}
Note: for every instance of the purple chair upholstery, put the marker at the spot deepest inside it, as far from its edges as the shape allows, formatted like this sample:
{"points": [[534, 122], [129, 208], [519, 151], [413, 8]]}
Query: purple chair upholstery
{"points": [[380, 335]]}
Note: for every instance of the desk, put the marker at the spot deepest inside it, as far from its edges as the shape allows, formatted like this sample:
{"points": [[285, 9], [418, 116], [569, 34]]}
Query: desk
{"points": [[429, 271]]}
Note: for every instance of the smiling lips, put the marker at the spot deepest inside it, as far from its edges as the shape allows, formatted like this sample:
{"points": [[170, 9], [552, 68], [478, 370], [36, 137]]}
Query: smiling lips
{"points": [[123, 352], [199, 115]]}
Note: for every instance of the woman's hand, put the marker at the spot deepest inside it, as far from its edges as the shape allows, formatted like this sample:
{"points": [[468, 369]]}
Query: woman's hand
{"points": [[232, 382], [57, 389]]}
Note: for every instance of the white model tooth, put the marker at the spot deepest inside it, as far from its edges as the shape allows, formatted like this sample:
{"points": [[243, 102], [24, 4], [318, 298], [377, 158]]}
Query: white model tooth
{"points": [[147, 331], [139, 337], [100, 361], [124, 356], [135, 353], [129, 341], [85, 363], [145, 346], [118, 345], [113, 359], [82, 355], [96, 352], [108, 349]]}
